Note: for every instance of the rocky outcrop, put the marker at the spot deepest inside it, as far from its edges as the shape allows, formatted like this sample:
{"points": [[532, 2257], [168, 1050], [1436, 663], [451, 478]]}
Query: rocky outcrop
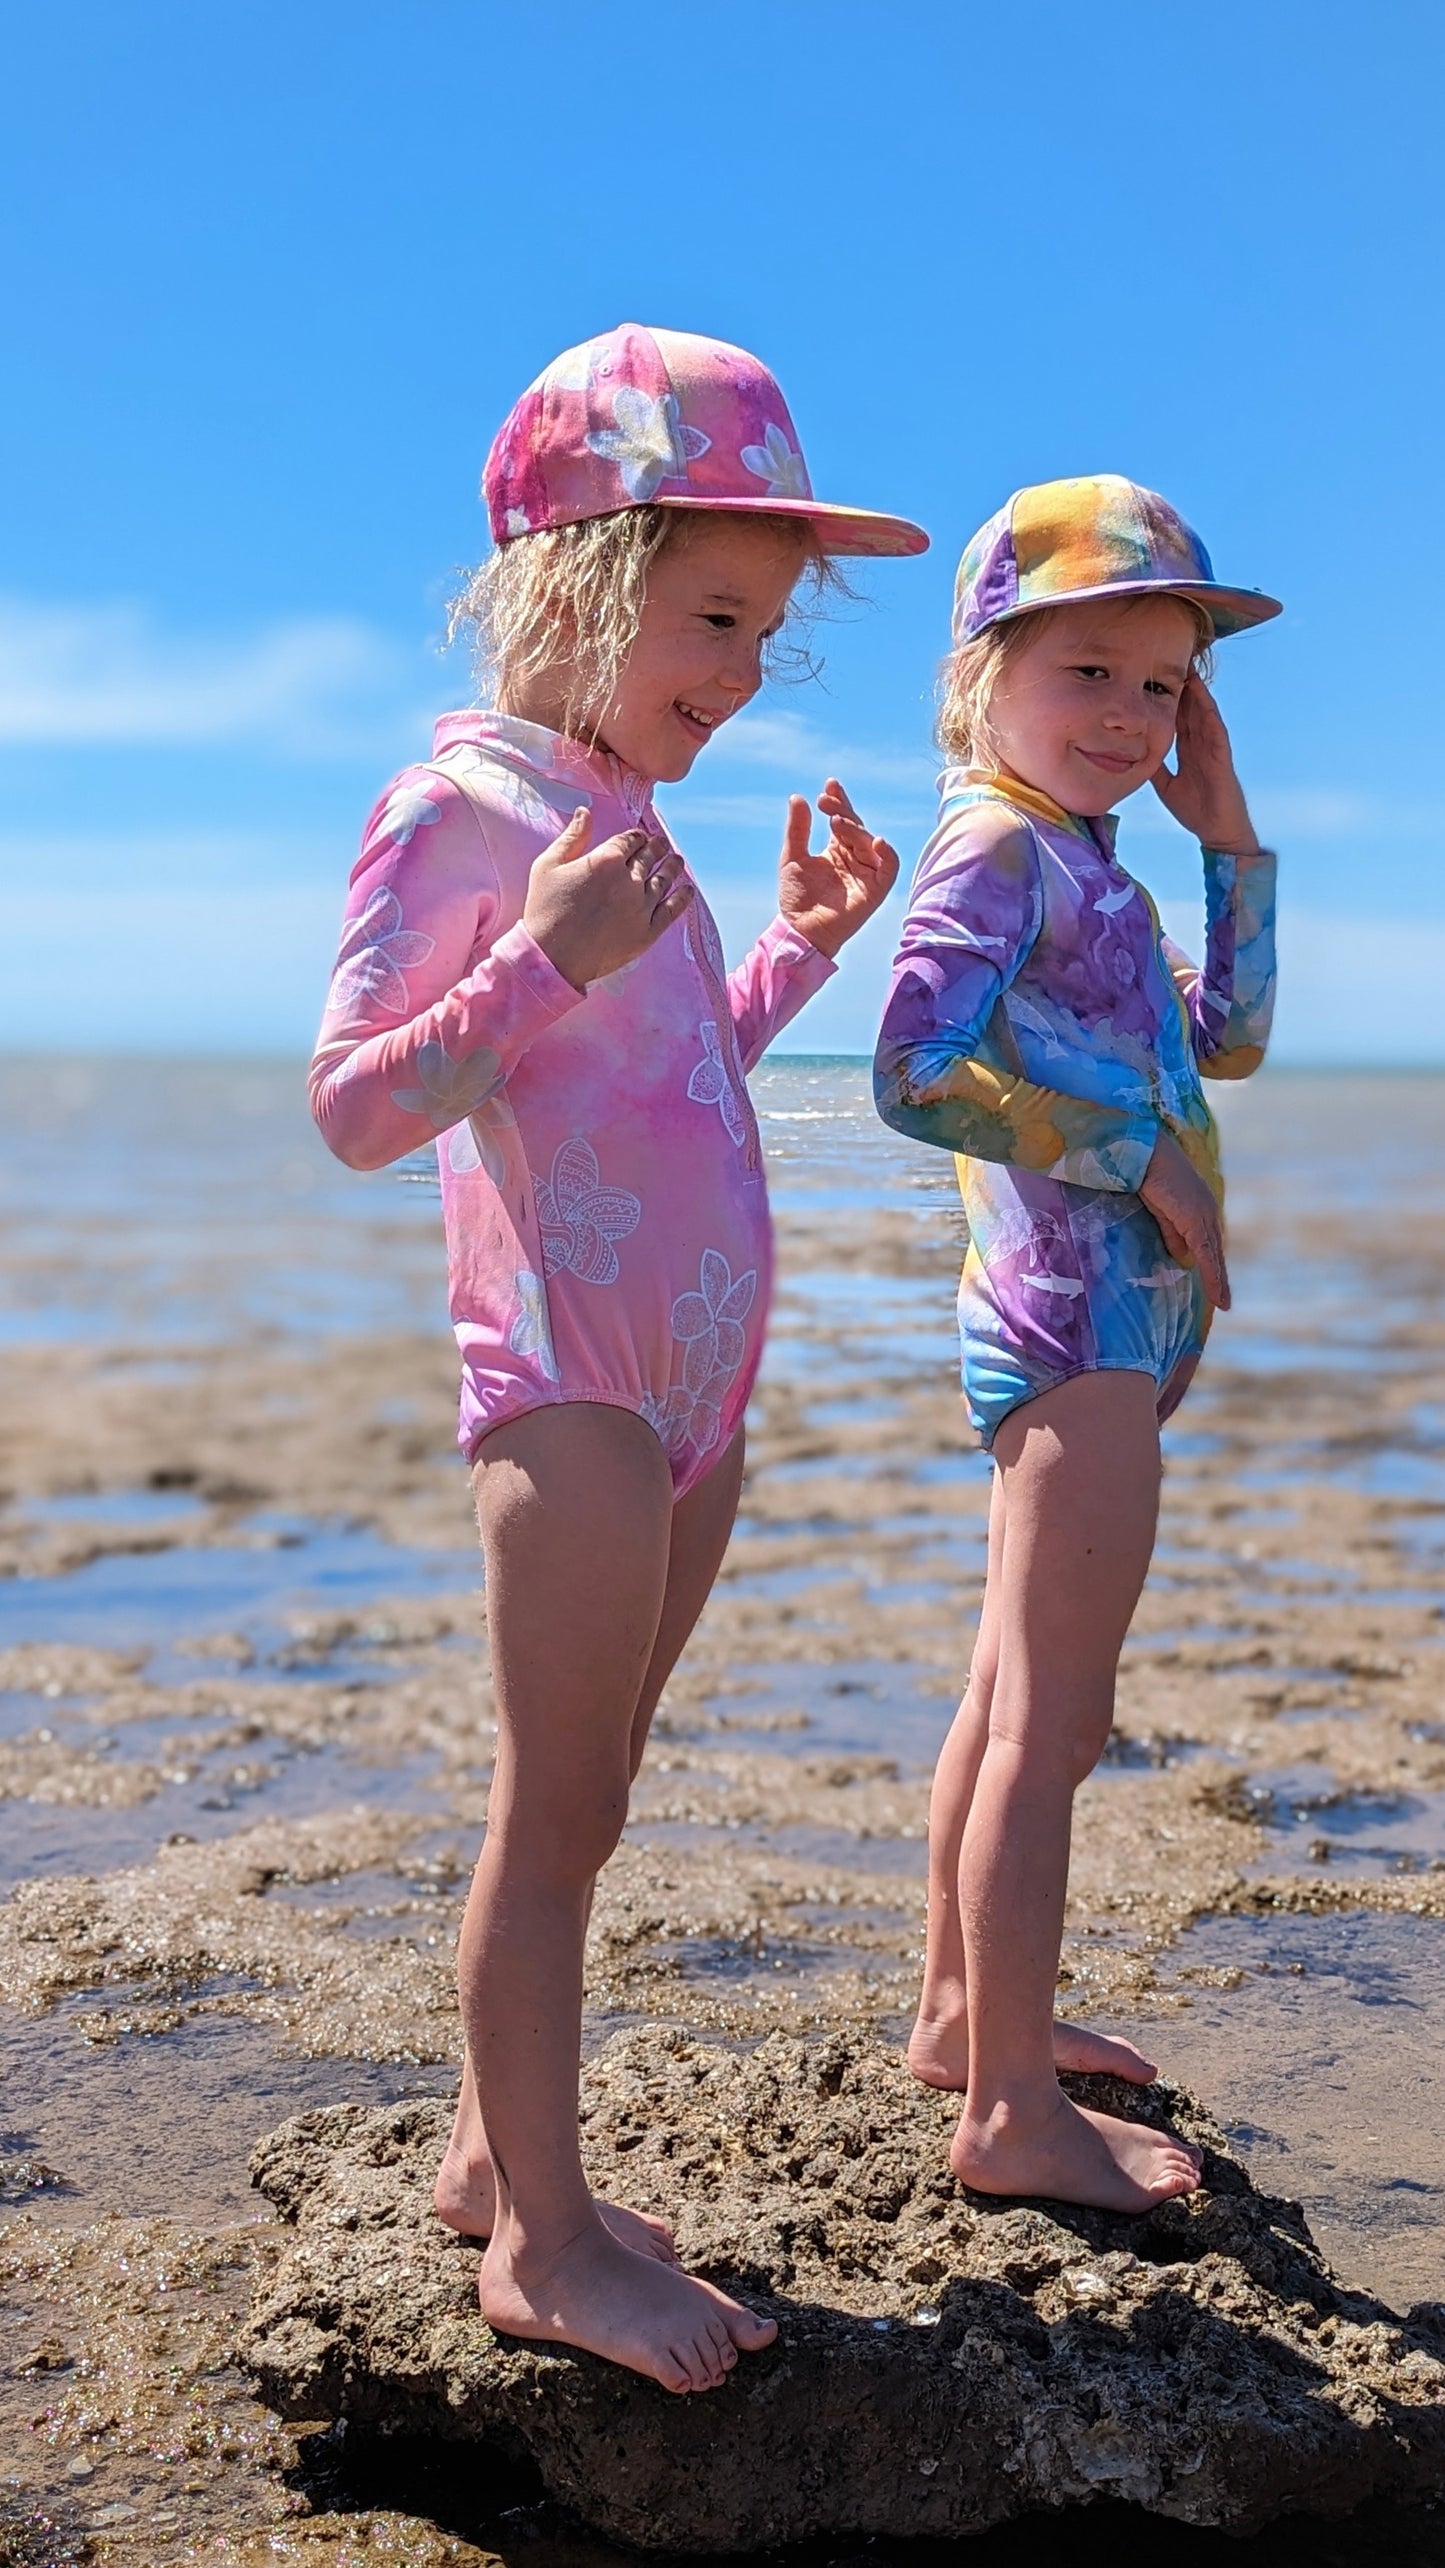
{"points": [[943, 2361]]}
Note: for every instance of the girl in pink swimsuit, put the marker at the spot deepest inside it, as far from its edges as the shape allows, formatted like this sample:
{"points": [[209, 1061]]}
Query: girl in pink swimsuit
{"points": [[528, 972]]}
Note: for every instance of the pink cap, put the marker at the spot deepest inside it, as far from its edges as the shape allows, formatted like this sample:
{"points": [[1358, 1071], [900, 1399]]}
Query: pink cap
{"points": [[661, 417]]}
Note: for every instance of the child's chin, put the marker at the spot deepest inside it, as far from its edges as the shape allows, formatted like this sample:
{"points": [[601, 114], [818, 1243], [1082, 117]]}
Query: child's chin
{"points": [[668, 766]]}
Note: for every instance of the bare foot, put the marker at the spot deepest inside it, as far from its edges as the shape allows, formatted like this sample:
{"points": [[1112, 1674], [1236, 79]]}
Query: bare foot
{"points": [[633, 2309], [938, 2053], [1070, 2155], [466, 2199]]}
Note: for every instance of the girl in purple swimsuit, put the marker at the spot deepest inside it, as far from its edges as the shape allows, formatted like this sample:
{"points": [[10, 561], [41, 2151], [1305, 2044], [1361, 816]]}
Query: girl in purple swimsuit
{"points": [[1042, 1027]]}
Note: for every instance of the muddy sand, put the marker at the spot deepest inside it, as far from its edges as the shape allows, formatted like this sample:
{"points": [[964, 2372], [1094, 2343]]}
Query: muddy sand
{"points": [[245, 1732]]}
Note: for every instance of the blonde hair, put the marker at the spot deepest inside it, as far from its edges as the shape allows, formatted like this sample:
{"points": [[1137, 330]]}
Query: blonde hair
{"points": [[567, 603], [971, 673]]}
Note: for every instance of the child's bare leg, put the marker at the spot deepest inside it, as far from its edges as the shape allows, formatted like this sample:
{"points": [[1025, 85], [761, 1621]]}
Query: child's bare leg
{"points": [[576, 1508], [466, 2187], [938, 2045], [465, 2194], [1080, 1468]]}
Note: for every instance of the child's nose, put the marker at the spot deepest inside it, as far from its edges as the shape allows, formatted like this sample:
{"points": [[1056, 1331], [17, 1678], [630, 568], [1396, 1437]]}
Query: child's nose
{"points": [[742, 673], [1122, 715]]}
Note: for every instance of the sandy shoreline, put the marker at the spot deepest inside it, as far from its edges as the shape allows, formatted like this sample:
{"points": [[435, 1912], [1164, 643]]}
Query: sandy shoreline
{"points": [[246, 1731]]}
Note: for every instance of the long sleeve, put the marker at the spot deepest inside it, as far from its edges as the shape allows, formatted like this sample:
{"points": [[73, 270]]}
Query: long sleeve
{"points": [[773, 981], [949, 1068], [429, 1009], [1230, 1003]]}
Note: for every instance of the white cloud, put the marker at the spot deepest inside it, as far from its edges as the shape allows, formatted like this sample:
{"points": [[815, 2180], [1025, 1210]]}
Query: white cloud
{"points": [[315, 686]]}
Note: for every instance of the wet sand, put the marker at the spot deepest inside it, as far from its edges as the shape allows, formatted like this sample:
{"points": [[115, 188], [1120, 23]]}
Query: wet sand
{"points": [[245, 1730]]}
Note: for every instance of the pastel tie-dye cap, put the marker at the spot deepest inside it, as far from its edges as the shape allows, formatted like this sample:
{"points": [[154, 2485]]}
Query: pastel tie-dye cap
{"points": [[662, 417], [1097, 535]]}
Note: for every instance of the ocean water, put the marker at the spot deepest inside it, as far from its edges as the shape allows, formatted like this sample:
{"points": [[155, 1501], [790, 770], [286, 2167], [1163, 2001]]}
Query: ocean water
{"points": [[169, 1208]]}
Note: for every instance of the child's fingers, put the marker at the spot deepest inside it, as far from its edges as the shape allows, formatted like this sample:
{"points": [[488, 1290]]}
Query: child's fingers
{"points": [[672, 905], [572, 841], [1208, 1245], [798, 828], [833, 802], [658, 876], [1173, 1238]]}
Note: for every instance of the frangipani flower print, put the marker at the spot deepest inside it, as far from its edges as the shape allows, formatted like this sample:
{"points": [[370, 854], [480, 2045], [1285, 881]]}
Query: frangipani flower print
{"points": [[580, 1182], [449, 1090], [580, 1218], [480, 1142], [779, 465], [377, 951], [531, 1330], [711, 1084], [651, 442], [407, 811], [708, 1325]]}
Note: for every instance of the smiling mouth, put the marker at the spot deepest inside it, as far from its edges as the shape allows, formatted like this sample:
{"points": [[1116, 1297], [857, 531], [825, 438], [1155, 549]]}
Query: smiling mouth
{"points": [[1112, 762], [696, 719]]}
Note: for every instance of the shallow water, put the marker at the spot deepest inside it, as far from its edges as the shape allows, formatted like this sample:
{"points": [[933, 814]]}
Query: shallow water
{"points": [[287, 1665], [1323, 2065]]}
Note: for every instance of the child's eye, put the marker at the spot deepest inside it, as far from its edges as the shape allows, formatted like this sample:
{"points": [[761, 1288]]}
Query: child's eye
{"points": [[1090, 669], [1159, 686], [720, 623]]}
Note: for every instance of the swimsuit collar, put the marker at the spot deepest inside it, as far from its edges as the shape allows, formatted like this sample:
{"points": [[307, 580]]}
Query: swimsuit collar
{"points": [[532, 746], [1027, 798]]}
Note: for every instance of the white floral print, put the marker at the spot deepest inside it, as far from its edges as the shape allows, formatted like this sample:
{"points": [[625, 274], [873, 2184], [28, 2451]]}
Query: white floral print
{"points": [[407, 810], [518, 522], [708, 1326], [580, 1218], [575, 369], [711, 1084], [480, 1142], [651, 442], [377, 952], [531, 1331], [450, 1090], [778, 464]]}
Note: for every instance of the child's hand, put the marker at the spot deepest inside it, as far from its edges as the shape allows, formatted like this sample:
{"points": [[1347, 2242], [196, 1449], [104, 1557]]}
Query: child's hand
{"points": [[1203, 792], [593, 909], [1188, 1216], [827, 897]]}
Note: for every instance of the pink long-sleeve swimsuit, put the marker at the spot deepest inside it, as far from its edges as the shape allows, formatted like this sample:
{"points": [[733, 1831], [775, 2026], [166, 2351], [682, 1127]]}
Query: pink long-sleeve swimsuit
{"points": [[606, 1209]]}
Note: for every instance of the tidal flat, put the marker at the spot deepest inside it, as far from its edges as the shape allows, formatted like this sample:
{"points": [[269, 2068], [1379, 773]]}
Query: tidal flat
{"points": [[245, 1734]]}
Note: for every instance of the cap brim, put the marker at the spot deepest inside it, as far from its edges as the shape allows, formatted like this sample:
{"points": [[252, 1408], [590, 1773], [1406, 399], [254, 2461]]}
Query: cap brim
{"points": [[1230, 610], [839, 530]]}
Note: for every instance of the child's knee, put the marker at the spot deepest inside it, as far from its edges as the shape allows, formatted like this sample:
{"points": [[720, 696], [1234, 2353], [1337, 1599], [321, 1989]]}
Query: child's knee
{"points": [[567, 1835], [1090, 1741]]}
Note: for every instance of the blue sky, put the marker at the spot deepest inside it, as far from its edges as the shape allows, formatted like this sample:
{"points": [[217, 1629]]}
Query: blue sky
{"points": [[273, 274]]}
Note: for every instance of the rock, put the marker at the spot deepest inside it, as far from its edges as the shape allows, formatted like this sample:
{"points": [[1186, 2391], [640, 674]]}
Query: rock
{"points": [[944, 2361]]}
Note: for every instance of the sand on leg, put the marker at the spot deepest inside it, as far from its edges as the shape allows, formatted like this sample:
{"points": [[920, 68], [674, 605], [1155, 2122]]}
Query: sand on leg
{"points": [[938, 2044], [702, 1522], [576, 1507], [1080, 1467]]}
